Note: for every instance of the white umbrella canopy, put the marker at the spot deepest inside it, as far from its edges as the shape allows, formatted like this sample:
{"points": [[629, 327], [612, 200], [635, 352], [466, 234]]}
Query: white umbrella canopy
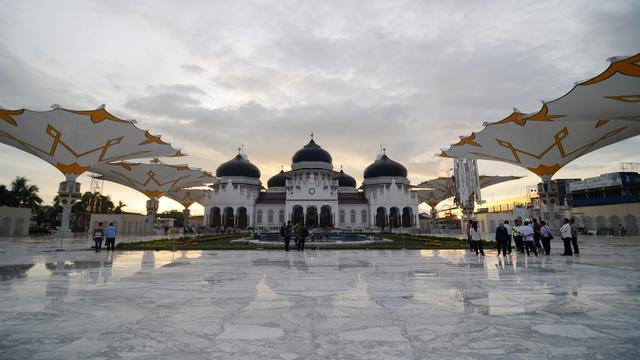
{"points": [[490, 180], [541, 146], [153, 180], [612, 95], [434, 191], [187, 197], [595, 113], [75, 140]]}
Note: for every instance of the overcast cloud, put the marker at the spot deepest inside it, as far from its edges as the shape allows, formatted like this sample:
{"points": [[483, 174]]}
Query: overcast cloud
{"points": [[210, 76]]}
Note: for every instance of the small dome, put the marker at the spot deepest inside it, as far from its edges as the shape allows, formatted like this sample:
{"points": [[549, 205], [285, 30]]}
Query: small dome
{"points": [[312, 152], [238, 166], [385, 167], [278, 180], [345, 180]]}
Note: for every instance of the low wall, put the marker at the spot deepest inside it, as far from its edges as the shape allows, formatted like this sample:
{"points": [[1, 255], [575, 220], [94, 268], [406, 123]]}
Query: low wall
{"points": [[14, 221]]}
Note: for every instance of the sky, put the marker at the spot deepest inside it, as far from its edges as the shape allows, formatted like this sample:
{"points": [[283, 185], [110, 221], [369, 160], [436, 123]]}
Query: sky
{"points": [[213, 75]]}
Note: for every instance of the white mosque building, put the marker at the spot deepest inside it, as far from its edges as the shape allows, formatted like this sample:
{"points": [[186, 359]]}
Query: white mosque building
{"points": [[312, 193]]}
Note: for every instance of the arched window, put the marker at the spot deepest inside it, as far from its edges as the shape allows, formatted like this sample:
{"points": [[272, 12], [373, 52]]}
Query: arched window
{"points": [[364, 217], [352, 215], [342, 217], [270, 216], [281, 216], [259, 216]]}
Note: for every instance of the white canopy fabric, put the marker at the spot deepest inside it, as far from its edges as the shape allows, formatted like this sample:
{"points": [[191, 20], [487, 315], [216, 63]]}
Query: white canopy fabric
{"points": [[75, 140], [434, 191], [595, 113], [153, 180], [187, 197]]}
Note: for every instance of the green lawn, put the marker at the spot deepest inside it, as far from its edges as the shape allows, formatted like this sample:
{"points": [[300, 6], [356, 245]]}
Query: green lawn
{"points": [[223, 242]]}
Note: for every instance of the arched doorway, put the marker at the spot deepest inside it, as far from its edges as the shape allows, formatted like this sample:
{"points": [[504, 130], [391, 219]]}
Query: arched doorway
{"points": [[381, 217], [325, 216], [229, 219], [298, 215], [242, 217], [312, 216], [407, 217], [394, 217], [214, 217]]}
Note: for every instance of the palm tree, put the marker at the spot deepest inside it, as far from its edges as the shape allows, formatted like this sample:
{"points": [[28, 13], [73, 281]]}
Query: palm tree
{"points": [[118, 209], [25, 195]]}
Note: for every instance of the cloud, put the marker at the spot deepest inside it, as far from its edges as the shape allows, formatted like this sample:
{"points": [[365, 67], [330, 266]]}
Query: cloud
{"points": [[412, 75], [192, 69]]}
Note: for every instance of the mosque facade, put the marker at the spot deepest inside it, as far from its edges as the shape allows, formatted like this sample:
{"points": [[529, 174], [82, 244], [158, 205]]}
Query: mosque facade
{"points": [[313, 193]]}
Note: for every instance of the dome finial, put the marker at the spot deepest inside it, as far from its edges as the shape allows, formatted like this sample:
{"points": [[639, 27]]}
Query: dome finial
{"points": [[281, 167], [311, 135], [340, 167]]}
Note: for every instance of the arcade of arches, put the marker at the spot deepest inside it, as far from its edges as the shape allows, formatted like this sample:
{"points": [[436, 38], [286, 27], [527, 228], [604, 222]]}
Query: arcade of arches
{"points": [[391, 218]]}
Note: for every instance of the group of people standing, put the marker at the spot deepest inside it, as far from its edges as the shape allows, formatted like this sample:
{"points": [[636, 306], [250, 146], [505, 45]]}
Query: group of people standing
{"points": [[301, 233], [100, 234], [530, 237]]}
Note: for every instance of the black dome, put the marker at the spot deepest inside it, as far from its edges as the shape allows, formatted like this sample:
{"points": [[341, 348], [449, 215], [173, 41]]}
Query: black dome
{"points": [[312, 152], [238, 166], [279, 179], [345, 180], [385, 167]]}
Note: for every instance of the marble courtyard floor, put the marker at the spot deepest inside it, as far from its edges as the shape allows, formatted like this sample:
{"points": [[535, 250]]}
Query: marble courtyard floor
{"points": [[360, 304]]}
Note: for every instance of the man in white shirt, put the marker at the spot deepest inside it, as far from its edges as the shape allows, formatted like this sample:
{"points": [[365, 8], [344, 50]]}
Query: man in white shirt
{"points": [[527, 235], [565, 232]]}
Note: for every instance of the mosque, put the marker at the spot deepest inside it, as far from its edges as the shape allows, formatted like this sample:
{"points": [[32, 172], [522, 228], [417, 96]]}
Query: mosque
{"points": [[313, 193]]}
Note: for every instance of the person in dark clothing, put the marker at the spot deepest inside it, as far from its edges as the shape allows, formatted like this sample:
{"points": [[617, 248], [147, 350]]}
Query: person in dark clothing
{"points": [[301, 234], [502, 236], [545, 236], [536, 233], [517, 237], [574, 236], [285, 232], [565, 233]]}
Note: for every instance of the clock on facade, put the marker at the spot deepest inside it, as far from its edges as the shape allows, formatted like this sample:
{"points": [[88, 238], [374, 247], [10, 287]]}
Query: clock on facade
{"points": [[312, 191]]}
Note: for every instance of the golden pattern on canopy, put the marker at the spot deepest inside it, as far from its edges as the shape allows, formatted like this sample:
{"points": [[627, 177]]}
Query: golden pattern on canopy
{"points": [[595, 113], [153, 180], [75, 140]]}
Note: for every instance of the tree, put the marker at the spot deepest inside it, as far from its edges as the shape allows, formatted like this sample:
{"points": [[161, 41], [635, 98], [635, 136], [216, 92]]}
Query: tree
{"points": [[118, 209], [177, 215], [21, 194]]}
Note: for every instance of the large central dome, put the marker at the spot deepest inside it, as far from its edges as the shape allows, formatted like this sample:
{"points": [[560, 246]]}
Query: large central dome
{"points": [[238, 166], [385, 167], [312, 153]]}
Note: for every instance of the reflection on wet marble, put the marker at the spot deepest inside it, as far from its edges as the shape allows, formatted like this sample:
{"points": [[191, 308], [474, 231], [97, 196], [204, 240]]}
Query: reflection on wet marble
{"points": [[320, 304]]}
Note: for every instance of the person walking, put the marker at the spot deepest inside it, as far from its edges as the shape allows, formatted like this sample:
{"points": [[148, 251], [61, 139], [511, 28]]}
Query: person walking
{"points": [[565, 233], [517, 237], [574, 236], [98, 235], [536, 233], [469, 225], [476, 240], [545, 236], [501, 239], [301, 233], [622, 230], [526, 231], [285, 232], [110, 236], [509, 232]]}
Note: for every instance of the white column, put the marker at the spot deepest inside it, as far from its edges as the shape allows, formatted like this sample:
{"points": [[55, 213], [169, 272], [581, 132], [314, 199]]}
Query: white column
{"points": [[68, 193]]}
